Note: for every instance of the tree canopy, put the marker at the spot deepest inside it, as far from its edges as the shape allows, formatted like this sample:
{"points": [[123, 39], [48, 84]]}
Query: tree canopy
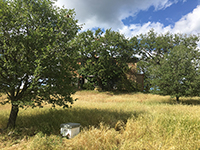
{"points": [[104, 55], [37, 60], [178, 73], [152, 48]]}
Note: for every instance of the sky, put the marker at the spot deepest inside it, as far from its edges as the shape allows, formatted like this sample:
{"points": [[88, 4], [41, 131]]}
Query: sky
{"points": [[133, 17]]}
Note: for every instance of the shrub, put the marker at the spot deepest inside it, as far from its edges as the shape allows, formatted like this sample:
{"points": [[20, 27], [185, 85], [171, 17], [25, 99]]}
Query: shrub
{"points": [[88, 86], [126, 85]]}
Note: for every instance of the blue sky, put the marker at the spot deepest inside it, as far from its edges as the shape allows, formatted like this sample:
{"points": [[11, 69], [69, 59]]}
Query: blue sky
{"points": [[167, 16], [132, 17]]}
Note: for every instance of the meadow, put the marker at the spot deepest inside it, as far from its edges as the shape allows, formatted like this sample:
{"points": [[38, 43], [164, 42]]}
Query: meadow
{"points": [[117, 121]]}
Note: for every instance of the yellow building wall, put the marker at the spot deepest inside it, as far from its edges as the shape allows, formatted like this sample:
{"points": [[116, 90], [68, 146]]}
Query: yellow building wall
{"points": [[134, 76]]}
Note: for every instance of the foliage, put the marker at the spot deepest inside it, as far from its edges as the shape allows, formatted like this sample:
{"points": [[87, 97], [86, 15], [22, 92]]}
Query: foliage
{"points": [[104, 56], [145, 68], [88, 86], [37, 59], [152, 48], [178, 73], [126, 85]]}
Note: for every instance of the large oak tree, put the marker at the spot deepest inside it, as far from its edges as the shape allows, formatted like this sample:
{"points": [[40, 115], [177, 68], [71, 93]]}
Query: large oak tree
{"points": [[178, 73], [105, 56], [37, 59], [152, 47]]}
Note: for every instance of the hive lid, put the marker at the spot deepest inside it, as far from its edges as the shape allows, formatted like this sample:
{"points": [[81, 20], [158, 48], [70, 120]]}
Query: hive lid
{"points": [[70, 125]]}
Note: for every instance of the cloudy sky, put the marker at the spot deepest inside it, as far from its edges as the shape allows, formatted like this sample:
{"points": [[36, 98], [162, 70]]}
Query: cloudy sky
{"points": [[132, 17]]}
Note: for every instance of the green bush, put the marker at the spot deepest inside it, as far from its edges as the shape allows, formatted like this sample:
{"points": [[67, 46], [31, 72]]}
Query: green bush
{"points": [[88, 86], [126, 85]]}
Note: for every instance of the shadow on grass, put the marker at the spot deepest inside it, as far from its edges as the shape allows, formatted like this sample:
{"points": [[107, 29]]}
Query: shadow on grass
{"points": [[113, 92], [184, 101], [48, 121], [190, 101]]}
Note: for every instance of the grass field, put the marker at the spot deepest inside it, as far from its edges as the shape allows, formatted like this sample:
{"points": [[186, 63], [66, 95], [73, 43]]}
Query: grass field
{"points": [[108, 121]]}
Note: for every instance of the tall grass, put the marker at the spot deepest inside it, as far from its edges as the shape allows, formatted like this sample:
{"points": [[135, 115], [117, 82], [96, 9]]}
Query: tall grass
{"points": [[108, 121]]}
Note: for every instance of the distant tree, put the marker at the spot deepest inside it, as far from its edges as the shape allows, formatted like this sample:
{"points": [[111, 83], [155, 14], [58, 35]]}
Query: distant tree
{"points": [[144, 67], [105, 56], [37, 60], [152, 47], [178, 73]]}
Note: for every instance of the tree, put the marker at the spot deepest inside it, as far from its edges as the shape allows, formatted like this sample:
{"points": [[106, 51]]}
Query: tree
{"points": [[105, 56], [152, 48], [178, 73], [37, 60], [144, 67]]}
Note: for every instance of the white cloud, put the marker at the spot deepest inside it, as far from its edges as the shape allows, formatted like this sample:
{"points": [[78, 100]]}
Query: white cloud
{"points": [[188, 24], [109, 13], [137, 29]]}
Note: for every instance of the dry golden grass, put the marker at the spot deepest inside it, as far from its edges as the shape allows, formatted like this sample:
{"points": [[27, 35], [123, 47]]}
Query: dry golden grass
{"points": [[2, 98], [95, 96], [109, 121]]}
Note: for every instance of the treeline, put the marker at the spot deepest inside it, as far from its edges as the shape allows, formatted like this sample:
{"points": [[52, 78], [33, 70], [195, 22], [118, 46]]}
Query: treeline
{"points": [[41, 49], [169, 62]]}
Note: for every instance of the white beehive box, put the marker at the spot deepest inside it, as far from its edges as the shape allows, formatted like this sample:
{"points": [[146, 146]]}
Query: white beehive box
{"points": [[69, 130]]}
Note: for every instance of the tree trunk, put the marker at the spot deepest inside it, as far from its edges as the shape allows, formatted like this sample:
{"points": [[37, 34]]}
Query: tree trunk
{"points": [[100, 83], [177, 100], [13, 116]]}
